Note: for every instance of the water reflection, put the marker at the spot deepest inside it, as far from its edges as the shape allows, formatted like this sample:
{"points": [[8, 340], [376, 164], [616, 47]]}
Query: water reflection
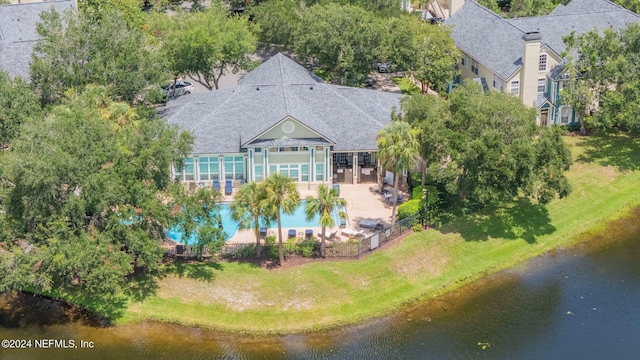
{"points": [[580, 303]]}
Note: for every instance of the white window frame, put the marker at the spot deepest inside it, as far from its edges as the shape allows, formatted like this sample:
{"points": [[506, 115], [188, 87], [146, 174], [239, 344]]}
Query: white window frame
{"points": [[498, 84], [565, 119], [515, 87], [542, 62], [474, 67], [542, 85], [187, 173], [237, 167]]}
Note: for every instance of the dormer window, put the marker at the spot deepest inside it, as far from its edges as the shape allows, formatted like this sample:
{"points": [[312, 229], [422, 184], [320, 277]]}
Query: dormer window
{"points": [[542, 64]]}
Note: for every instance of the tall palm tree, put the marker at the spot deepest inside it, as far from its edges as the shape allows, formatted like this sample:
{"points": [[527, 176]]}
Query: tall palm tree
{"points": [[398, 149], [246, 209], [280, 195], [324, 205]]}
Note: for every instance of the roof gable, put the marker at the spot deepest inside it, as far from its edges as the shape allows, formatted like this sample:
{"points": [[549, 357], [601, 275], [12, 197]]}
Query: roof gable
{"points": [[288, 128]]}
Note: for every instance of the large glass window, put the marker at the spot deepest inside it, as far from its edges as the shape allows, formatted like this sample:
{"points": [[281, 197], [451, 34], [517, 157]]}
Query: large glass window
{"points": [[290, 171], [542, 65], [474, 66], [515, 87], [319, 172], [273, 169], [208, 167], [187, 173], [233, 167], [258, 172], [304, 172]]}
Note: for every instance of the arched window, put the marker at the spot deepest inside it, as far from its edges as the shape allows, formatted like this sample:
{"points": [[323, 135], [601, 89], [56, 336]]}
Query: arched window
{"points": [[542, 65]]}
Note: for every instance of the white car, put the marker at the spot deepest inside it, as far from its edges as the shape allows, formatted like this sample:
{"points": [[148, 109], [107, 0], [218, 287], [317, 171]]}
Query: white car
{"points": [[382, 67], [181, 88]]}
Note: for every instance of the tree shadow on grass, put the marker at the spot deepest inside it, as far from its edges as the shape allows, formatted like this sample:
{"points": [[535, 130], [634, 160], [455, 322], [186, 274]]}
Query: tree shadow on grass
{"points": [[204, 271], [616, 149], [520, 219]]}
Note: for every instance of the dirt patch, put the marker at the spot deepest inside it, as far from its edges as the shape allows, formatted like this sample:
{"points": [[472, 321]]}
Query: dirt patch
{"points": [[427, 261]]}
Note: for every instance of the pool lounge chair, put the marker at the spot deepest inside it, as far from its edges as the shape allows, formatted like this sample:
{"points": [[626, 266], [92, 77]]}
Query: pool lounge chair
{"points": [[228, 187], [263, 232], [292, 233], [328, 235], [352, 233], [308, 234], [343, 223], [216, 185], [370, 224]]}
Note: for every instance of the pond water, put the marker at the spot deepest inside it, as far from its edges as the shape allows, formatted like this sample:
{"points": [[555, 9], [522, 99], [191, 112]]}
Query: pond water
{"points": [[580, 303]]}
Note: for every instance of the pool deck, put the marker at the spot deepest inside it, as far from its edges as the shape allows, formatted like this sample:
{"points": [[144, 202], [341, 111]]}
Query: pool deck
{"points": [[363, 203]]}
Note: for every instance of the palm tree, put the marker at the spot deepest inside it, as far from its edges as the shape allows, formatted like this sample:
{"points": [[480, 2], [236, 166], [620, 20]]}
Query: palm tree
{"points": [[397, 150], [246, 209], [324, 205], [280, 195]]}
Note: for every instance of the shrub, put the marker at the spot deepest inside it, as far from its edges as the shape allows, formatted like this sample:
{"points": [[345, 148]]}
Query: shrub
{"points": [[416, 227], [409, 208]]}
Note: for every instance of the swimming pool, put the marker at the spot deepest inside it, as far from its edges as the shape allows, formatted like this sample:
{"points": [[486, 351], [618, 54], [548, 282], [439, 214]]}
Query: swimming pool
{"points": [[297, 221]]}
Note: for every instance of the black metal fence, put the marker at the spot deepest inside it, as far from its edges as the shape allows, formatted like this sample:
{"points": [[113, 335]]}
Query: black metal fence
{"points": [[351, 249]]}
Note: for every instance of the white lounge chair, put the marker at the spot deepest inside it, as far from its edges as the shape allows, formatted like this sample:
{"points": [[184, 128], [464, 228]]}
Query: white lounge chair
{"points": [[370, 224]]}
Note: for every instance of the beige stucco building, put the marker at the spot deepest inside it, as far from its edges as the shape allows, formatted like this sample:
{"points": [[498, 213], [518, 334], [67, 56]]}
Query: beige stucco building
{"points": [[523, 56]]}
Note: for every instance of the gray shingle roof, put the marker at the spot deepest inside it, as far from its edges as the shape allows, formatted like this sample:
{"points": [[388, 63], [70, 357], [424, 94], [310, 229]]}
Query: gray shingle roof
{"points": [[224, 120], [497, 42], [18, 33]]}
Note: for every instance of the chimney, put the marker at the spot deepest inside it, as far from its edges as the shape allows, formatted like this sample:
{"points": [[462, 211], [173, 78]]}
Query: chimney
{"points": [[529, 71]]}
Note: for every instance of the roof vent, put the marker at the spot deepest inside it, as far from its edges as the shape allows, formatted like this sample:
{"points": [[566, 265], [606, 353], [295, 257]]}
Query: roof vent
{"points": [[311, 87], [257, 87], [532, 36]]}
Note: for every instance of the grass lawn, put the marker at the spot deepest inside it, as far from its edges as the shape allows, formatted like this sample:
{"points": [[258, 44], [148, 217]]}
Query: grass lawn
{"points": [[244, 298], [406, 86]]}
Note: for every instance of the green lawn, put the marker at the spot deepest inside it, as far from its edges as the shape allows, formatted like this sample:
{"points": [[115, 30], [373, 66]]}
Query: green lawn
{"points": [[244, 298]]}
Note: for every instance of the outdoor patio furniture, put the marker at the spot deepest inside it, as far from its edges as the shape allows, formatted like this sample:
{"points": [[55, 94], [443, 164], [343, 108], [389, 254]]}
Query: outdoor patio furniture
{"points": [[263, 232], [216, 185], [337, 187], [292, 233], [343, 223], [228, 187], [308, 234], [352, 233], [328, 236], [370, 224], [201, 184], [179, 249]]}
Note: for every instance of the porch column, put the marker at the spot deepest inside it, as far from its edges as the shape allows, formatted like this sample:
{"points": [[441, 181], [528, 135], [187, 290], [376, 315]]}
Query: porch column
{"points": [[312, 164], [250, 166], [355, 168], [265, 163]]}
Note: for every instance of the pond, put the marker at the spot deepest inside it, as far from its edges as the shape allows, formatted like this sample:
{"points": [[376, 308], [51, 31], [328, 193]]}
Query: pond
{"points": [[580, 303]]}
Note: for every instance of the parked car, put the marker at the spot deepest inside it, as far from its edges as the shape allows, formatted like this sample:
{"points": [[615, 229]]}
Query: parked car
{"points": [[181, 88], [382, 67]]}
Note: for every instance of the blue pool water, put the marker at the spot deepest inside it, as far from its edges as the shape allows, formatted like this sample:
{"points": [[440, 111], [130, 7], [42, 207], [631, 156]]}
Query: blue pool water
{"points": [[297, 221]]}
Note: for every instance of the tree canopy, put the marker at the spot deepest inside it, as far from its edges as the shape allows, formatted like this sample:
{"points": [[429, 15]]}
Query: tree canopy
{"points": [[206, 45], [606, 67], [342, 40], [18, 103], [86, 195], [487, 148]]}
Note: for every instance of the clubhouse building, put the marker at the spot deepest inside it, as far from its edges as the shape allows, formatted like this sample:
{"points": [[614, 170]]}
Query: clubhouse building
{"points": [[283, 119]]}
